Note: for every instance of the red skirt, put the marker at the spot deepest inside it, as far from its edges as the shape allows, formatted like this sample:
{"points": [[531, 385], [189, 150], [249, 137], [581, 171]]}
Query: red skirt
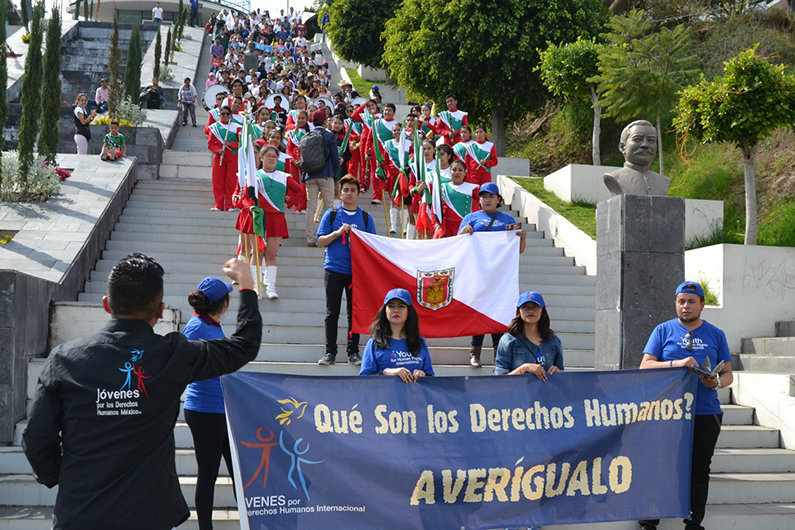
{"points": [[245, 222], [276, 225]]}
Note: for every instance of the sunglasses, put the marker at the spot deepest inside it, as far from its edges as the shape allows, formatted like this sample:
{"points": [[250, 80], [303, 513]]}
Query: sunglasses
{"points": [[226, 114]]}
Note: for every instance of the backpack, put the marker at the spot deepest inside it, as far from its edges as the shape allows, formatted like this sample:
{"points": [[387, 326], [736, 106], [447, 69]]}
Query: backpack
{"points": [[313, 153]]}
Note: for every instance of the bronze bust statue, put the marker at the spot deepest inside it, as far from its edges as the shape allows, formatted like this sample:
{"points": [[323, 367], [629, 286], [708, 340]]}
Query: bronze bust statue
{"points": [[639, 146]]}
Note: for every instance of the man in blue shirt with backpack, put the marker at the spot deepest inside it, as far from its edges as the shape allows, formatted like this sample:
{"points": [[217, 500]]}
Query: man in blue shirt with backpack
{"points": [[334, 234]]}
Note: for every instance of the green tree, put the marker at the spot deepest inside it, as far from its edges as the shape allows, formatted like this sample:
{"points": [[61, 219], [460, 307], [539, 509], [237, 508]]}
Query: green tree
{"points": [[30, 96], [51, 89], [168, 47], [743, 106], [158, 53], [132, 73], [356, 27], [3, 78], [641, 70], [484, 52], [24, 8], [567, 71], [114, 67]]}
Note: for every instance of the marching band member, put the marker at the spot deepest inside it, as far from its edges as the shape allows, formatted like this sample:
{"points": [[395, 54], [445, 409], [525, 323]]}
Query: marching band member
{"points": [[273, 186], [223, 142], [481, 156], [452, 120], [459, 199]]}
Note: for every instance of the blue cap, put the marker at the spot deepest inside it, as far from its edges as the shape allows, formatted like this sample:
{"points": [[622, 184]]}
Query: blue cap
{"points": [[374, 87], [531, 296], [401, 294], [214, 288], [690, 288], [489, 187]]}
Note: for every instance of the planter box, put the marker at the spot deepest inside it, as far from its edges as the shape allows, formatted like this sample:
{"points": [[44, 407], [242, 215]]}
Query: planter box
{"points": [[755, 286]]}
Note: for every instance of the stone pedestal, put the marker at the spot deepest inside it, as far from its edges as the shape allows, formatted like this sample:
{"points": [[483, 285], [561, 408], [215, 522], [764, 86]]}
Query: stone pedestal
{"points": [[640, 249]]}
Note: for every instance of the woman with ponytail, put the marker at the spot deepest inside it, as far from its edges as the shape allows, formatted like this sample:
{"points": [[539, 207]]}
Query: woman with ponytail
{"points": [[204, 401]]}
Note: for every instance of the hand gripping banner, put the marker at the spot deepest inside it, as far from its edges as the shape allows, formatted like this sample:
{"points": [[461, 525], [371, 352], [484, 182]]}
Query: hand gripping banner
{"points": [[460, 452]]}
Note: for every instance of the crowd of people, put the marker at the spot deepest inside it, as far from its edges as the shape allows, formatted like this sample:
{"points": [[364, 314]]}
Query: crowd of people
{"points": [[317, 151], [425, 168]]}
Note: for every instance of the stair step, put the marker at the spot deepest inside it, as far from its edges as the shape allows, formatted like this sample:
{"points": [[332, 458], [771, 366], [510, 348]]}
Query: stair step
{"points": [[725, 488], [773, 364], [747, 437], [776, 346]]}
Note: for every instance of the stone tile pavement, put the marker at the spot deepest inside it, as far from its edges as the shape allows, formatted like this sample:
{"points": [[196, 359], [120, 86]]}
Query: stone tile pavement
{"points": [[50, 234]]}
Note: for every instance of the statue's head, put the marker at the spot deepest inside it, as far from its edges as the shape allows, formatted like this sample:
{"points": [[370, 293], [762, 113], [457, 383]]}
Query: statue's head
{"points": [[638, 143]]}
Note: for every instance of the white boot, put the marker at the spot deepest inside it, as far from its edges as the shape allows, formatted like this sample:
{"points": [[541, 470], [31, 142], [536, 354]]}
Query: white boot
{"points": [[411, 232], [393, 220], [270, 274], [254, 275]]}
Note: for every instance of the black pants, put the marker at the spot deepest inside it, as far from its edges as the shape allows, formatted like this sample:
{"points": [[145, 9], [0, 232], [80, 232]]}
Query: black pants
{"points": [[336, 283], [210, 442], [705, 435], [477, 340]]}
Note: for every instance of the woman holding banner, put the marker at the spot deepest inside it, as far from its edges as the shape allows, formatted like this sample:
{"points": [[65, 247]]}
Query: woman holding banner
{"points": [[488, 219], [204, 402], [530, 346], [396, 347]]}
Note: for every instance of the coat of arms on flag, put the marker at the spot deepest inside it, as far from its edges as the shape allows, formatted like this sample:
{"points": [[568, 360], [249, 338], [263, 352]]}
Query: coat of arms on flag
{"points": [[435, 288]]}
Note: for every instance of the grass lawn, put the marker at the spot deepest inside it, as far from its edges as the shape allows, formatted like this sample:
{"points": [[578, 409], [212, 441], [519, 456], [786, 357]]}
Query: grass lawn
{"points": [[362, 86], [582, 215]]}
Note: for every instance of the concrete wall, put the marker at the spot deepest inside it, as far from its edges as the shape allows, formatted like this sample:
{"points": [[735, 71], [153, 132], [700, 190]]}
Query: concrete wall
{"points": [[25, 299], [72, 320], [574, 241], [772, 397], [584, 182], [146, 142], [755, 287]]}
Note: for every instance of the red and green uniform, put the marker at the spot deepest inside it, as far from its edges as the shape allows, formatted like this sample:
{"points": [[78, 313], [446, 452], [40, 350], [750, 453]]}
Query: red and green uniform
{"points": [[224, 168], [452, 121], [480, 158]]}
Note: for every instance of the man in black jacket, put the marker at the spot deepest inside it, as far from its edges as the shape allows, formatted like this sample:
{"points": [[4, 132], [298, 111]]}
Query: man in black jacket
{"points": [[102, 422]]}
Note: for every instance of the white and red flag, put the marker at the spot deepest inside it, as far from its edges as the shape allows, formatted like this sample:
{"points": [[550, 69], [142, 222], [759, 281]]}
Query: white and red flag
{"points": [[463, 285]]}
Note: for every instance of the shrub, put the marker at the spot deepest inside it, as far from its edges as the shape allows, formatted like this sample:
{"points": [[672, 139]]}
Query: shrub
{"points": [[42, 181]]}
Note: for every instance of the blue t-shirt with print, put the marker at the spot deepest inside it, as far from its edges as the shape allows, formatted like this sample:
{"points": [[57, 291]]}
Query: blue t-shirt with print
{"points": [[480, 220], [204, 396], [668, 343], [375, 360], [338, 254]]}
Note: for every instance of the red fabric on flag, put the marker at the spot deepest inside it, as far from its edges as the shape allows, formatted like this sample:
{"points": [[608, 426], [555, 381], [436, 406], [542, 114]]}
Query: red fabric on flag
{"points": [[374, 275]]}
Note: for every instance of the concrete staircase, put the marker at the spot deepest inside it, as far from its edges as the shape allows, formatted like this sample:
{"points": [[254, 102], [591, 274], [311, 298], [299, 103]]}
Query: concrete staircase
{"points": [[770, 354], [753, 483]]}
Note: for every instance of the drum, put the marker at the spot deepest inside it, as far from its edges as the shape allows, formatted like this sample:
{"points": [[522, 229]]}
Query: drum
{"points": [[269, 102], [326, 101], [208, 98]]}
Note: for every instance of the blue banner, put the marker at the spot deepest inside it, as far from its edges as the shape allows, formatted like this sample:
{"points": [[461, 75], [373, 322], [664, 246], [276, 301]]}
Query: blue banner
{"points": [[460, 452]]}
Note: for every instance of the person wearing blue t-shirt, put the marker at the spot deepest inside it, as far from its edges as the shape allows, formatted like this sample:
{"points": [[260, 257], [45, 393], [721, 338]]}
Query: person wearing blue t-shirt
{"points": [[204, 401], [396, 347], [334, 234], [688, 341], [488, 219]]}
